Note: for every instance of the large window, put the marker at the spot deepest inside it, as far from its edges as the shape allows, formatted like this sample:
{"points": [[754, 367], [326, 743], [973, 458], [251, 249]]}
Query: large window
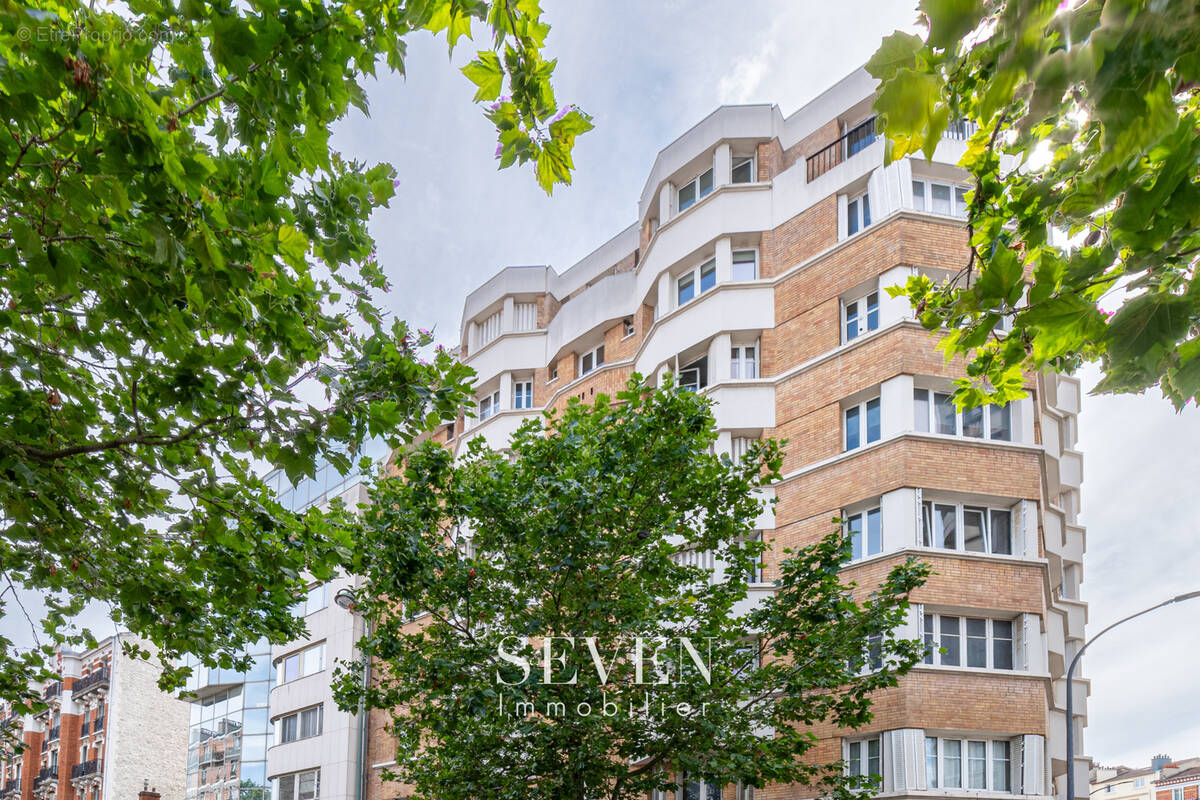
{"points": [[858, 214], [864, 532], [952, 641], [522, 394], [590, 360], [973, 529], [936, 412], [745, 265], [696, 281], [695, 189], [982, 764], [489, 405], [862, 757], [743, 170], [299, 786], [304, 662], [314, 599], [743, 362], [301, 725], [940, 198], [694, 376], [860, 316], [862, 424]]}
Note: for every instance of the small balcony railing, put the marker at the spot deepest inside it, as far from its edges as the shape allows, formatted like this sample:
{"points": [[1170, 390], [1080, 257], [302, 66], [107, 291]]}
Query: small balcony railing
{"points": [[97, 724], [47, 774], [52, 690], [837, 151], [53, 733], [95, 680], [86, 768], [85, 728], [11, 785]]}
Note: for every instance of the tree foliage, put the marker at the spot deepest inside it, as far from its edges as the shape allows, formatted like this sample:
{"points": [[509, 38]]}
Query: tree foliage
{"points": [[1087, 113], [606, 521], [187, 269]]}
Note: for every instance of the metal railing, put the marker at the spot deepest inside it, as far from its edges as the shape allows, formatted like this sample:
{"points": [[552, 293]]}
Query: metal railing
{"points": [[841, 148], [98, 724], [85, 728], [960, 129], [52, 690], [53, 733], [85, 769], [46, 774], [11, 785], [91, 681]]}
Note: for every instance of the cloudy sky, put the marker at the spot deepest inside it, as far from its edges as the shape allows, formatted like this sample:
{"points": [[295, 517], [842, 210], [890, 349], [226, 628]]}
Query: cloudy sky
{"points": [[648, 71]]}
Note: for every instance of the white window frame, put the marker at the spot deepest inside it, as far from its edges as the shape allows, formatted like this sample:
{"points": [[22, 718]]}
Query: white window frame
{"points": [[933, 531], [930, 422], [302, 663], [743, 251], [862, 532], [702, 381], [295, 784], [858, 213], [935, 779], [522, 399], [863, 430], [628, 328], [860, 311], [743, 361], [957, 200], [695, 278], [699, 193], [298, 716], [553, 374], [858, 752], [314, 599], [489, 405], [593, 357], [932, 635], [1177, 793], [737, 161]]}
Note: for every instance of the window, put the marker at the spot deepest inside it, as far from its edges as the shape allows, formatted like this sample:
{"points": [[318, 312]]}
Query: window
{"points": [[862, 757], [690, 789], [743, 362], [489, 405], [858, 214], [983, 530], [1177, 793], [863, 531], [694, 376], [696, 281], [553, 374], [301, 725], [589, 361], [940, 198], [935, 411], [862, 424], [299, 786], [981, 764], [313, 600], [756, 571], [522, 394], [861, 315], [1139, 783], [627, 329], [308, 661], [745, 265], [988, 642], [699, 187], [743, 170]]}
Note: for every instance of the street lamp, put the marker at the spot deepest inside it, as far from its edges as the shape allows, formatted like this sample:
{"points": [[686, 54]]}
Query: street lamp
{"points": [[1071, 694], [346, 599]]}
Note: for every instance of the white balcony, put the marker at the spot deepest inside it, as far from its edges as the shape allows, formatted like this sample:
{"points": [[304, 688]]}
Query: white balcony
{"points": [[725, 307], [740, 405], [596, 307], [523, 350], [496, 430]]}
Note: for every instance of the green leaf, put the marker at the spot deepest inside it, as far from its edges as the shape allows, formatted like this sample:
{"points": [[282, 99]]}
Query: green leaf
{"points": [[951, 20], [486, 73], [898, 51]]}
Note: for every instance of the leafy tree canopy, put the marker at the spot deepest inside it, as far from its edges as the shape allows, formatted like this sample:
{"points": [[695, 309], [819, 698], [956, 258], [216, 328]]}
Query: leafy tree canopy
{"points": [[611, 521], [1087, 115], [185, 256]]}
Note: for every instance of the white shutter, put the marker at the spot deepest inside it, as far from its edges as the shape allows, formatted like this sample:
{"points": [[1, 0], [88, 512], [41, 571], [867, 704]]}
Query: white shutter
{"points": [[916, 750], [1015, 764], [904, 760], [1020, 643], [917, 508], [1032, 763], [846, 757], [1029, 529]]}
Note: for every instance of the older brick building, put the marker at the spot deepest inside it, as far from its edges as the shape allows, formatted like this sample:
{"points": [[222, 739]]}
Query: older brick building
{"points": [[756, 271], [106, 731]]}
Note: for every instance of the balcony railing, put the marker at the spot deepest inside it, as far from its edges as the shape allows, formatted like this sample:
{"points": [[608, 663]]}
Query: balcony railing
{"points": [[97, 679], [52, 690], [85, 728], [47, 774], [98, 724], [837, 151], [85, 769], [11, 785], [960, 129], [53, 733]]}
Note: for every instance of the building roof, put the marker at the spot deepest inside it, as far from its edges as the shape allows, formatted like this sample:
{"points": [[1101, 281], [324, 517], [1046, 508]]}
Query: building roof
{"points": [[1192, 773]]}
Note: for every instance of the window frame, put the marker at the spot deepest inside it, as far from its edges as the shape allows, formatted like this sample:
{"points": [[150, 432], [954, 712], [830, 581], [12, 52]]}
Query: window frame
{"points": [[301, 607], [861, 311], [858, 213], [957, 192], [522, 400], [628, 328], [935, 399], [863, 533], [695, 277], [862, 412], [699, 192], [739, 361], [932, 636], [736, 161], [596, 355], [863, 746], [931, 536], [488, 406], [281, 664], [936, 778], [295, 777], [734, 262]]}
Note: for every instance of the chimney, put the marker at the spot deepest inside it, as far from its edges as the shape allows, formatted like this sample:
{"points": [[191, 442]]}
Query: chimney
{"points": [[148, 793], [1159, 761]]}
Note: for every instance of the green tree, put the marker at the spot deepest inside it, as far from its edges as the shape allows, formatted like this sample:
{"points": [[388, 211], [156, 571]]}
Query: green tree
{"points": [[187, 271], [611, 521], [1087, 114]]}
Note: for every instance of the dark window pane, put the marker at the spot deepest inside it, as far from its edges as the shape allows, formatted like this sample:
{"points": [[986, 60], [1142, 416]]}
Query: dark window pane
{"points": [[950, 641], [929, 638], [742, 170], [873, 423], [973, 422], [852, 218], [872, 311], [851, 321], [973, 529], [687, 196], [874, 533], [852, 428], [706, 182], [1001, 532], [708, 276], [855, 533], [943, 410], [1000, 421], [1002, 644], [947, 527], [866, 211], [977, 643]]}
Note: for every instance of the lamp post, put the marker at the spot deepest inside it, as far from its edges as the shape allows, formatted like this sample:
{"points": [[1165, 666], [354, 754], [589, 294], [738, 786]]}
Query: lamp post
{"points": [[1071, 694], [346, 599]]}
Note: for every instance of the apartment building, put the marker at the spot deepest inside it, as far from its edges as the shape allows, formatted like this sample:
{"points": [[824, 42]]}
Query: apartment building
{"points": [[1181, 785], [107, 730], [274, 730], [1125, 783], [756, 271]]}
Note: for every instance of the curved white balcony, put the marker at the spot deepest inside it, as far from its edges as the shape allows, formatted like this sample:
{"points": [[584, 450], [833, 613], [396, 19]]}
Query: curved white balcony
{"points": [[725, 307], [597, 306], [519, 350], [745, 404], [496, 430]]}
